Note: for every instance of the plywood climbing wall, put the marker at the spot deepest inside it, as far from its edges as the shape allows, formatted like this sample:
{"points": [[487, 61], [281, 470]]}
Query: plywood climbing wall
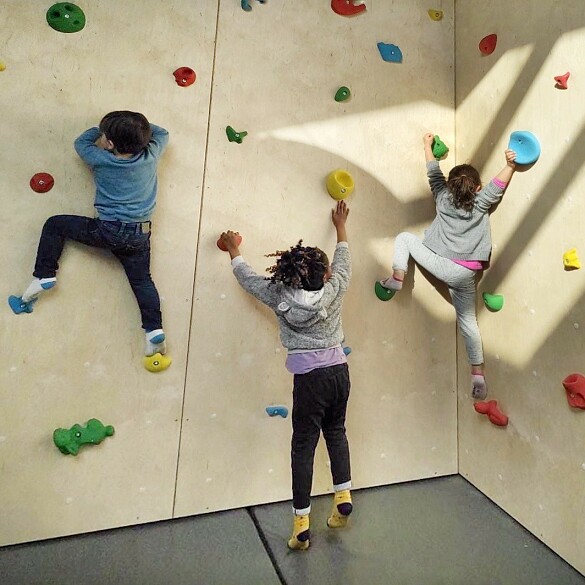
{"points": [[196, 438], [535, 468]]}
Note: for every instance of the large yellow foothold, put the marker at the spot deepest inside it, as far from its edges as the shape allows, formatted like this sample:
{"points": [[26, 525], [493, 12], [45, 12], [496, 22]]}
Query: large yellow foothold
{"points": [[156, 362], [571, 260], [339, 184], [436, 14]]}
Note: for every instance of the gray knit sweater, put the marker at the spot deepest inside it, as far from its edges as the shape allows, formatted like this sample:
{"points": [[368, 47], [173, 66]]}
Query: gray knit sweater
{"points": [[310, 320], [455, 233]]}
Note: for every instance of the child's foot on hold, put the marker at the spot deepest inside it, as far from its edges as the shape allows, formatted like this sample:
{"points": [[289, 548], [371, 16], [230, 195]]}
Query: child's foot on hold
{"points": [[36, 287], [155, 342], [342, 508], [478, 387], [392, 283], [299, 539]]}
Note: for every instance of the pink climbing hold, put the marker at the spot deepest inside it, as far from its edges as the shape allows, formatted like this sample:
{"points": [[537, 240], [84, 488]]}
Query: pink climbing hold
{"points": [[487, 45], [575, 387], [347, 7], [41, 182], [184, 76], [490, 408], [562, 80]]}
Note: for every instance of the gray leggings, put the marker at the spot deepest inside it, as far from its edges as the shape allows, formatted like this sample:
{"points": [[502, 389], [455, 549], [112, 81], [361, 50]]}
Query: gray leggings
{"points": [[461, 282]]}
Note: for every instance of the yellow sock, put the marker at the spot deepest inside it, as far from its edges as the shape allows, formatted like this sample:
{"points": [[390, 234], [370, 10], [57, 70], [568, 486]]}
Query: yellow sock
{"points": [[300, 536], [342, 508]]}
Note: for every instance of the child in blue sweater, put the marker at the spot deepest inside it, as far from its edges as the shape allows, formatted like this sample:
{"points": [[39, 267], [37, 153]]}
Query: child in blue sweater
{"points": [[306, 293], [123, 154]]}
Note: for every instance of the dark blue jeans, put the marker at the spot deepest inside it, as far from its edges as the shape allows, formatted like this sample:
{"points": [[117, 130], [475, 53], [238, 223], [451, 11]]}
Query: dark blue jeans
{"points": [[319, 404], [129, 242]]}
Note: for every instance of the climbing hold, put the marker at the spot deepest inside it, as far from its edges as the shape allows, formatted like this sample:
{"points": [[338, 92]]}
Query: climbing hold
{"points": [[383, 293], [575, 387], [347, 7], [2, 66], [490, 408], [277, 410], [66, 17], [571, 260], [246, 4], [342, 94], [19, 306], [440, 149], [184, 76], [561, 80], [234, 136], [68, 441], [390, 53], [221, 245], [339, 184], [493, 302], [41, 182], [156, 362], [436, 14], [487, 45], [347, 350], [526, 147]]}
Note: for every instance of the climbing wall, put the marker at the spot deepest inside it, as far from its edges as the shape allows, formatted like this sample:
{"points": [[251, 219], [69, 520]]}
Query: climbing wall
{"points": [[78, 355], [535, 467], [277, 70], [196, 437]]}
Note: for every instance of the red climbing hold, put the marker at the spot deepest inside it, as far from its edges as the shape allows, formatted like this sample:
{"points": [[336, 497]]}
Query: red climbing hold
{"points": [[562, 80], [496, 416], [184, 76], [575, 387], [487, 45], [41, 182], [222, 247], [347, 7]]}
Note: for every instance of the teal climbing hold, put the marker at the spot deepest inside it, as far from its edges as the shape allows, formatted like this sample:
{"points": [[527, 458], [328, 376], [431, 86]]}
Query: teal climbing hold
{"points": [[526, 147], [391, 53], [246, 4], [69, 441], [383, 293], [277, 411], [66, 17], [440, 149]]}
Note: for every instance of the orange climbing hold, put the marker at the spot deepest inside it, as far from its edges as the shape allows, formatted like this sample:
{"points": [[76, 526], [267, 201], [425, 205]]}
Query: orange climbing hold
{"points": [[347, 7], [487, 45], [562, 80], [574, 385], [490, 408]]}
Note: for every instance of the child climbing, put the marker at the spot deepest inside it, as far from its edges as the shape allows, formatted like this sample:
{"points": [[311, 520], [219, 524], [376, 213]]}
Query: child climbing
{"points": [[123, 154], [456, 245], [306, 293]]}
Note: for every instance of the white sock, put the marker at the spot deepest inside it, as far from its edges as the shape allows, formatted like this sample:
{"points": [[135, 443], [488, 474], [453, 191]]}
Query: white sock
{"points": [[155, 342], [36, 287], [392, 283], [478, 387]]}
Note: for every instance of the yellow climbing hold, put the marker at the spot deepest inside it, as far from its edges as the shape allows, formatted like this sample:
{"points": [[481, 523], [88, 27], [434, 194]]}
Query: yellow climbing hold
{"points": [[436, 14], [2, 66], [339, 184], [571, 260], [156, 362]]}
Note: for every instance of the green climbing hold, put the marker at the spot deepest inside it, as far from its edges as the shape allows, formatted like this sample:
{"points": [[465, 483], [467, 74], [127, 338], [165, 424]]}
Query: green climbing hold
{"points": [[234, 136], [342, 94], [493, 302], [383, 293], [68, 441], [66, 17], [440, 149]]}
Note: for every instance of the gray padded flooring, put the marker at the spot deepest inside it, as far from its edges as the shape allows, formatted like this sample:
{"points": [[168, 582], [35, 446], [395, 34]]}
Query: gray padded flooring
{"points": [[434, 532]]}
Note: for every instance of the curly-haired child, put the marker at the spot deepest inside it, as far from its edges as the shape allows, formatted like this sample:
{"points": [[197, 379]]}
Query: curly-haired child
{"points": [[306, 293], [456, 245]]}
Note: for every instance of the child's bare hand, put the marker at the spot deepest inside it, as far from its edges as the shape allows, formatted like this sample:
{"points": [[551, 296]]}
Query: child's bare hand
{"points": [[339, 214], [428, 139], [510, 158], [231, 240]]}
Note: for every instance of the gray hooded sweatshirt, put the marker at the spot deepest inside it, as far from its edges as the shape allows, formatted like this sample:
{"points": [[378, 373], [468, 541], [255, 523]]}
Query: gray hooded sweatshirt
{"points": [[308, 319]]}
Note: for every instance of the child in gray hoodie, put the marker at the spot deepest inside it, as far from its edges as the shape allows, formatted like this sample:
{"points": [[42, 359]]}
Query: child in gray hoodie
{"points": [[306, 293]]}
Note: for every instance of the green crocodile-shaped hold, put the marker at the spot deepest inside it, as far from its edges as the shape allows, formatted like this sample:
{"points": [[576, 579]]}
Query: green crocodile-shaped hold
{"points": [[69, 441], [66, 17], [234, 136], [440, 149]]}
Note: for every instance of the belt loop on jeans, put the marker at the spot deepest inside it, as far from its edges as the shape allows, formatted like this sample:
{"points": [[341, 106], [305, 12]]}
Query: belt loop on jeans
{"points": [[145, 227]]}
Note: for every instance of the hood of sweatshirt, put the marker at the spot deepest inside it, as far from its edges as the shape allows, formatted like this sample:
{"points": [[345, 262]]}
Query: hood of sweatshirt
{"points": [[301, 308]]}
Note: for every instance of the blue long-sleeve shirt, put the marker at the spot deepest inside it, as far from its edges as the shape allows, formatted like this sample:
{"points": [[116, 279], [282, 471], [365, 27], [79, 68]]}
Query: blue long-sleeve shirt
{"points": [[125, 187]]}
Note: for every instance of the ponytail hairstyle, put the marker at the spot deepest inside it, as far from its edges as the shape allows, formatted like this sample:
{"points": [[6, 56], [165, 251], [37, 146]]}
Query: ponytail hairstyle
{"points": [[463, 183], [300, 267]]}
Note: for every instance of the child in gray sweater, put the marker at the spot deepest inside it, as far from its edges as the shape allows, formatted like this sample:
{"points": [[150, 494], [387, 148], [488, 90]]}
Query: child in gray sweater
{"points": [[306, 294], [456, 245]]}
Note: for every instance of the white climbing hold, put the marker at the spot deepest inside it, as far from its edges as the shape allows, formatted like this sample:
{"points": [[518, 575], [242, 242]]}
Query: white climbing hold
{"points": [[576, 325], [222, 296]]}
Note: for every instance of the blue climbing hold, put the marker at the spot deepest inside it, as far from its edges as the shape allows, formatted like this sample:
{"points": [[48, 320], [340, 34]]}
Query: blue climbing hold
{"points": [[347, 350], [246, 4], [277, 410], [18, 306], [526, 147], [391, 53]]}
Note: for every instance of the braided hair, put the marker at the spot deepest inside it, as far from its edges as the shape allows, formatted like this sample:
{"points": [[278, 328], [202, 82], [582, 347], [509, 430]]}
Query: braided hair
{"points": [[463, 183], [300, 267]]}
